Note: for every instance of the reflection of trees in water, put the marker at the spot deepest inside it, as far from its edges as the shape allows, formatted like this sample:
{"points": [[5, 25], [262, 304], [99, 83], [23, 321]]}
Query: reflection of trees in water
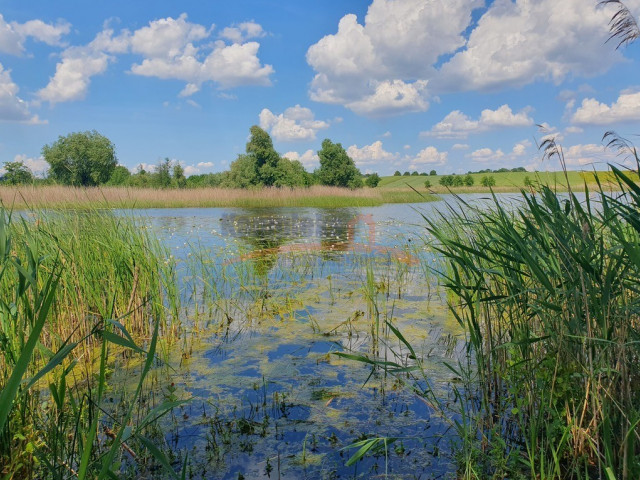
{"points": [[336, 231], [265, 231]]}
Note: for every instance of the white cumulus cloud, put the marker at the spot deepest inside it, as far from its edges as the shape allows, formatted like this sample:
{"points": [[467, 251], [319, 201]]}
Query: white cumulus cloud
{"points": [[370, 154], [486, 154], [428, 156], [518, 42], [365, 66], [12, 107], [513, 43], [243, 31], [625, 109], [309, 159], [13, 35], [170, 49], [392, 97], [458, 125], [296, 123]]}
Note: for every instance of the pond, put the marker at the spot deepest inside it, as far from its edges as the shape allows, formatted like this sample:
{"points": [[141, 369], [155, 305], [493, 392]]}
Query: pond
{"points": [[270, 297]]}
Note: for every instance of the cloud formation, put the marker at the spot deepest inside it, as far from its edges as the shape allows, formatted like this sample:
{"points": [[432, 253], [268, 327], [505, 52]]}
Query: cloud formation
{"points": [[296, 123], [371, 68], [170, 49], [309, 159], [518, 42], [12, 107], [383, 64], [13, 35], [370, 154], [625, 109], [458, 125], [429, 156]]}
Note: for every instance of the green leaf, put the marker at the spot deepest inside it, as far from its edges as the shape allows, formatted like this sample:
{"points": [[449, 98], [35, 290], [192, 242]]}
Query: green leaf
{"points": [[122, 341], [60, 355], [158, 455], [10, 390]]}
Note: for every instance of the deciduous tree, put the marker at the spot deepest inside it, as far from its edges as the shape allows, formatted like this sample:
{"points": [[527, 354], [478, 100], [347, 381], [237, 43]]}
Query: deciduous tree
{"points": [[81, 158]]}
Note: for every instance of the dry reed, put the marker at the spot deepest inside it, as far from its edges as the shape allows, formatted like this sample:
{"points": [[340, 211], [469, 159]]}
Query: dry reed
{"points": [[125, 197]]}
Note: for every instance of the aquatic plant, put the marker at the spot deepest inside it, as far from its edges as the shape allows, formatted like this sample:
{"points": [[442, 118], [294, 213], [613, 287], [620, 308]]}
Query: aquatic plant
{"points": [[547, 292], [73, 287]]}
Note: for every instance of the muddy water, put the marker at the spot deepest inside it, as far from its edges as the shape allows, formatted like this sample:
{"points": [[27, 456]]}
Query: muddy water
{"points": [[269, 298]]}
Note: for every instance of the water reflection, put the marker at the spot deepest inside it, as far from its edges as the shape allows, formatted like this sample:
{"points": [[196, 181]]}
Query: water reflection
{"points": [[269, 397]]}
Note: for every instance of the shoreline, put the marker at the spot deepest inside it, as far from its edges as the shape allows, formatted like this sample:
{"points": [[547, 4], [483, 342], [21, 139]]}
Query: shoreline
{"points": [[65, 197]]}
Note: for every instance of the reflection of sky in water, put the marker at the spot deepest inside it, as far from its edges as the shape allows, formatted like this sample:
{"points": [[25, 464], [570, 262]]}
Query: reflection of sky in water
{"points": [[266, 228], [264, 369]]}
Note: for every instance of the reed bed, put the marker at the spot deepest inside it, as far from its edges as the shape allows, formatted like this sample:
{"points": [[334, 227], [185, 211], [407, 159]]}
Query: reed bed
{"points": [[75, 288], [64, 197], [548, 294]]}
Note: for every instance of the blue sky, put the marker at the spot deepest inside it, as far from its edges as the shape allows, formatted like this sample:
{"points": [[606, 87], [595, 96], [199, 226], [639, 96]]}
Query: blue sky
{"points": [[450, 85]]}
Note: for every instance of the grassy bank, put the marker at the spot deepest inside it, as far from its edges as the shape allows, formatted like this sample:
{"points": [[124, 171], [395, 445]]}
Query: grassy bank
{"points": [[120, 197], [505, 182]]}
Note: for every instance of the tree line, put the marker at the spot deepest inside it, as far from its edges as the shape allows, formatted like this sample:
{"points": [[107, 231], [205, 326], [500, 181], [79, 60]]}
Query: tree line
{"points": [[88, 159]]}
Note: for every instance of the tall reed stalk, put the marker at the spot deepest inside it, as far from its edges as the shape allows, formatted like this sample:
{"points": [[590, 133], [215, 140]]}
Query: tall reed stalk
{"points": [[548, 292], [72, 288]]}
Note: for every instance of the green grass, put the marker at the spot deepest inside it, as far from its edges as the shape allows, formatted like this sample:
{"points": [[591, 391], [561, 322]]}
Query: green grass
{"points": [[507, 180], [72, 288], [548, 295]]}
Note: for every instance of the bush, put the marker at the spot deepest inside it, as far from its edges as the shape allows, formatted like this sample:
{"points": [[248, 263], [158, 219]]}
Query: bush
{"points": [[468, 180], [488, 181], [446, 181], [372, 180]]}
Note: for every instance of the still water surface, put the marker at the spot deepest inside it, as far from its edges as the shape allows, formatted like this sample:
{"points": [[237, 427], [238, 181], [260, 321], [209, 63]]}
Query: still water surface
{"points": [[269, 296]]}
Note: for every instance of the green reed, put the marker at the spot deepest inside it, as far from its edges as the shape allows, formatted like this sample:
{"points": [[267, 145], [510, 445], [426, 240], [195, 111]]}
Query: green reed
{"points": [[547, 291], [73, 286]]}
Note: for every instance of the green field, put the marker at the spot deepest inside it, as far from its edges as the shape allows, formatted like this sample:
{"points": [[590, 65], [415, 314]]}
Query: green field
{"points": [[513, 180]]}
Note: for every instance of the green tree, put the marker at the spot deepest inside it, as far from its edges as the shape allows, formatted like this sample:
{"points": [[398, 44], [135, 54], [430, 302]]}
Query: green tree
{"points": [[179, 180], [458, 181], [81, 158], [267, 160], [433, 173], [162, 175], [427, 184], [468, 180], [120, 175], [446, 180], [488, 181], [372, 180], [261, 165], [16, 173], [397, 173], [336, 167], [291, 173], [406, 174], [242, 173], [414, 173]]}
